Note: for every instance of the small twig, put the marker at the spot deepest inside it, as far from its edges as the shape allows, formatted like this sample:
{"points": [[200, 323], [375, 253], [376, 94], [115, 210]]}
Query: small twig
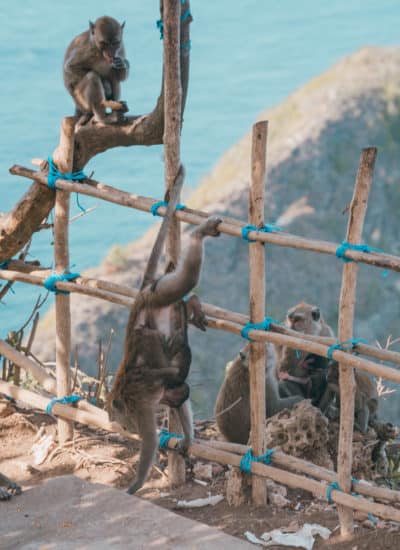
{"points": [[77, 216], [229, 407]]}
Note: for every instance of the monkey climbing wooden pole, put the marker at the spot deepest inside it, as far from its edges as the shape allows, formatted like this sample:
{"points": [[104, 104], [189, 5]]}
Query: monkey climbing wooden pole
{"points": [[171, 139], [358, 209], [257, 355], [64, 161]]}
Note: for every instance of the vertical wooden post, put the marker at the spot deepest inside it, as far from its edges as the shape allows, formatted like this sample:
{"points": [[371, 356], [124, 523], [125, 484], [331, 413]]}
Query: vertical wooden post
{"points": [[172, 136], [257, 355], [64, 157], [347, 383]]}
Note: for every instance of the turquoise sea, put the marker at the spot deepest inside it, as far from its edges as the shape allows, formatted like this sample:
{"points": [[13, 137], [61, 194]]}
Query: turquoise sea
{"points": [[246, 56]]}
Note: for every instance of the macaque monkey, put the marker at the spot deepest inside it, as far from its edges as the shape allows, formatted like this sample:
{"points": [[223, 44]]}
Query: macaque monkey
{"points": [[366, 398], [302, 373], [8, 488], [232, 407], [94, 67], [157, 356]]}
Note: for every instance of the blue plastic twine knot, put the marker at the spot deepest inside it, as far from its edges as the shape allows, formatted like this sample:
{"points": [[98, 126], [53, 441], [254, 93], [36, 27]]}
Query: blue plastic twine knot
{"points": [[63, 401], [185, 15], [154, 207], [269, 228], [165, 436], [264, 325], [52, 280], [331, 487], [54, 174], [249, 458], [340, 251], [346, 345], [160, 27], [4, 265]]}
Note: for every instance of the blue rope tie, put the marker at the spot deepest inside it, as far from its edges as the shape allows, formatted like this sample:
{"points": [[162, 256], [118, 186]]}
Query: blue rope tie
{"points": [[249, 458], [269, 228], [52, 280], [340, 251], [160, 27], [346, 345], [54, 174], [63, 401], [332, 486], [165, 436], [154, 207], [264, 325], [185, 15], [4, 265], [371, 518]]}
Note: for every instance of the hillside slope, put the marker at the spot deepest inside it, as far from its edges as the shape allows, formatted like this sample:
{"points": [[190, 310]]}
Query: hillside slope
{"points": [[314, 144]]}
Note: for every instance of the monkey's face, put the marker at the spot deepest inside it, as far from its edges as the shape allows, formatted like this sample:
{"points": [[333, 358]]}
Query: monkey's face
{"points": [[106, 33], [304, 318]]}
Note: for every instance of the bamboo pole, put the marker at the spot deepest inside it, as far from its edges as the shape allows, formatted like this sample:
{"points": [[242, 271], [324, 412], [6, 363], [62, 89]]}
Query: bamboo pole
{"points": [[64, 163], [226, 321], [299, 465], [358, 209], [257, 353], [229, 226], [293, 480], [113, 291], [92, 417], [172, 134]]}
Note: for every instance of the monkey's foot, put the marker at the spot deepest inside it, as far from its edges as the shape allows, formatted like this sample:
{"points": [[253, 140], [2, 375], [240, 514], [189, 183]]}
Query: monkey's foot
{"points": [[183, 446], [209, 227], [14, 488], [196, 315], [4, 494]]}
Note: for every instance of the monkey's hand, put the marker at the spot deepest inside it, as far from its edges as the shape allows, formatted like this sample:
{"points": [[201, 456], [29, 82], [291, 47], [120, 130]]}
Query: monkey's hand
{"points": [[209, 227], [196, 315], [120, 64], [183, 446]]}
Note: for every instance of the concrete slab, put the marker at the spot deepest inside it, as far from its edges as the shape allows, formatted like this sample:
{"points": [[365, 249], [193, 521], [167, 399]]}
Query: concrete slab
{"points": [[67, 512]]}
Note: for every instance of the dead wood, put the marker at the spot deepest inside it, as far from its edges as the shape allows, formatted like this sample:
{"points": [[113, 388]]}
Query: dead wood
{"points": [[18, 225]]}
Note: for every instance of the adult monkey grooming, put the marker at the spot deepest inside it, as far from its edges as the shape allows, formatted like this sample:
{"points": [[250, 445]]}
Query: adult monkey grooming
{"points": [[303, 373], [157, 357], [94, 66]]}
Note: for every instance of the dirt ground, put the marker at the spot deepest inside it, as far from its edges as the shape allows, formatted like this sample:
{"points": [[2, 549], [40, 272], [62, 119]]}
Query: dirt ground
{"points": [[101, 457]]}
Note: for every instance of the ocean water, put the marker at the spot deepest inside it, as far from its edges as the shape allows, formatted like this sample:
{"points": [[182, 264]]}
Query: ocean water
{"points": [[245, 57]]}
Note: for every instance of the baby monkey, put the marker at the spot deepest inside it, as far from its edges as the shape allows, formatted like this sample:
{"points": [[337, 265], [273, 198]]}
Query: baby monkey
{"points": [[94, 67]]}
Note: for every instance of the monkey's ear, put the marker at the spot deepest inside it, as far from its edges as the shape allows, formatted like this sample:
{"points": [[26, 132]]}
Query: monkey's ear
{"points": [[123, 25], [91, 27], [315, 313]]}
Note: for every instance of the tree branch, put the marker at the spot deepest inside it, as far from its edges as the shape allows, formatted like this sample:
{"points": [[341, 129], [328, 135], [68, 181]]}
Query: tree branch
{"points": [[17, 226]]}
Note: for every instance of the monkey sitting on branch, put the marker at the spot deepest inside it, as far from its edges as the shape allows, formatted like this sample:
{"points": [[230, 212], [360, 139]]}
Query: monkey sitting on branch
{"points": [[302, 373], [157, 356], [232, 408], [8, 488], [94, 67]]}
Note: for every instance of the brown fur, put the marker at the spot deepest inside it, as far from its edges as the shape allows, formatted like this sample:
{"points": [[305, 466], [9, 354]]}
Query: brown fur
{"points": [[232, 408], [157, 356], [309, 369], [94, 66]]}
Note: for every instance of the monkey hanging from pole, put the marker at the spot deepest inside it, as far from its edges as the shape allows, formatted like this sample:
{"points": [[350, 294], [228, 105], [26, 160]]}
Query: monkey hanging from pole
{"points": [[94, 67], [157, 355]]}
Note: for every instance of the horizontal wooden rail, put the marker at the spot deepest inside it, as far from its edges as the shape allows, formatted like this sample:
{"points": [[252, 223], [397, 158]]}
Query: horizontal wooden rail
{"points": [[228, 226], [97, 289], [208, 451]]}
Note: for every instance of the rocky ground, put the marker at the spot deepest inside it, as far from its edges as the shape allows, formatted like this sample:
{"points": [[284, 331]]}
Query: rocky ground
{"points": [[29, 454]]}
